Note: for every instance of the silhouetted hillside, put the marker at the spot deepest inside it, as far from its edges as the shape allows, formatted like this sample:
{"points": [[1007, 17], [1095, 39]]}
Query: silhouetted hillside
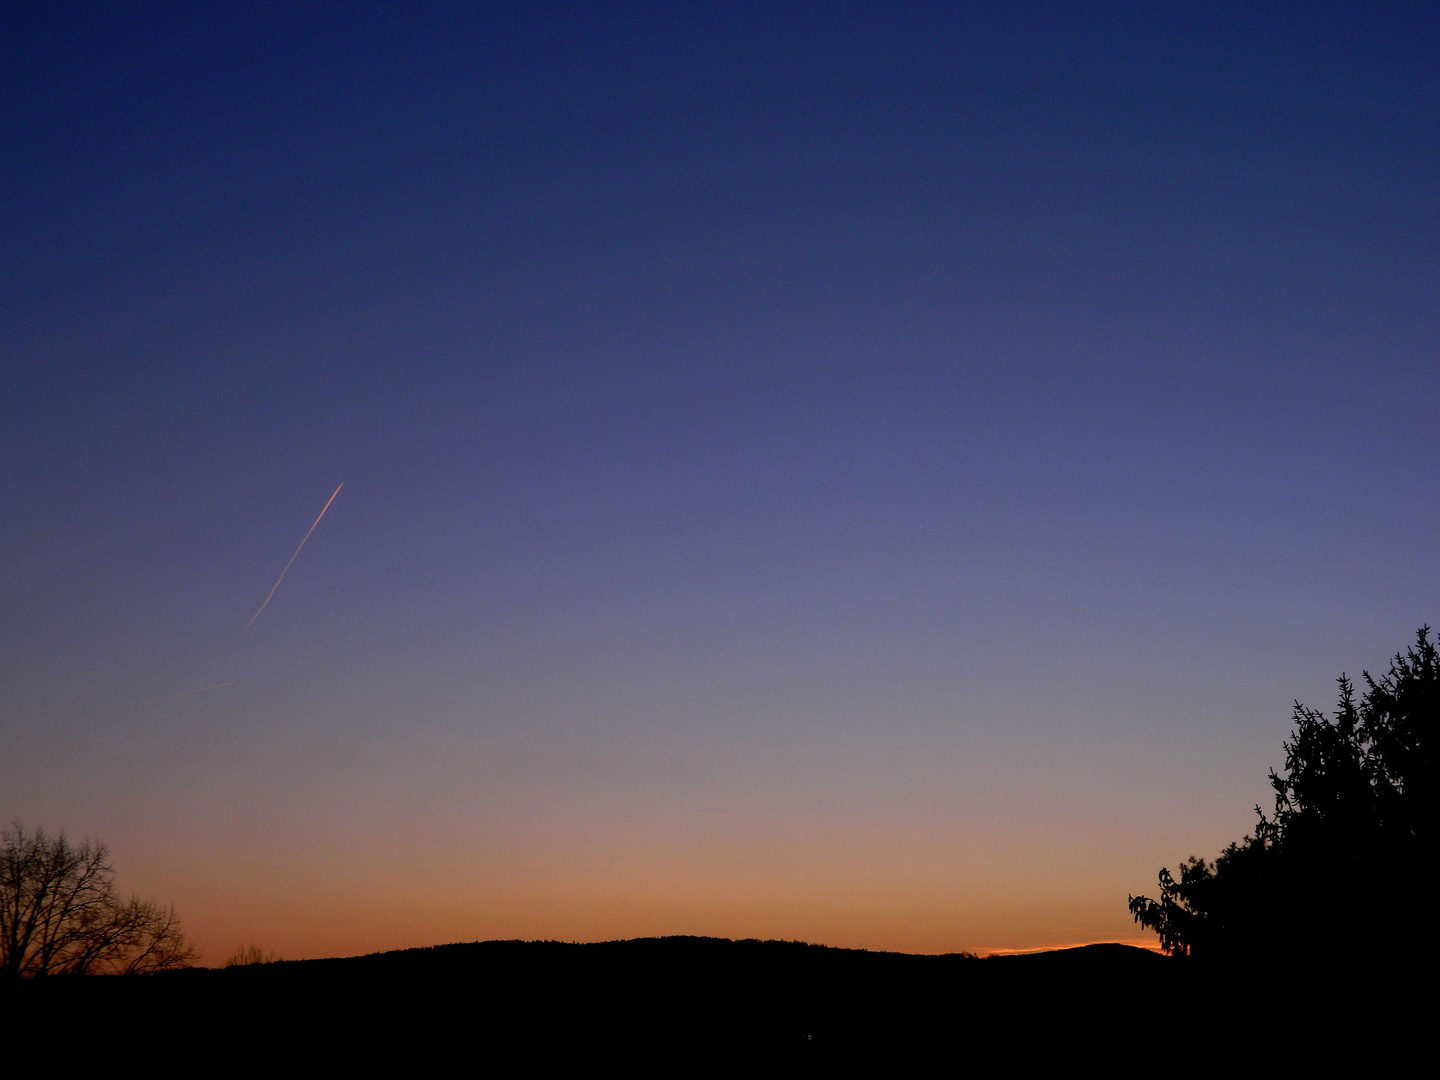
{"points": [[674, 1000], [682, 994]]}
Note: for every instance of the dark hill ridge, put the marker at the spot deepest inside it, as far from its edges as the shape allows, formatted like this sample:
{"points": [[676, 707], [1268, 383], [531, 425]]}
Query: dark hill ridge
{"points": [[687, 949], [675, 1002], [679, 992], [751, 977]]}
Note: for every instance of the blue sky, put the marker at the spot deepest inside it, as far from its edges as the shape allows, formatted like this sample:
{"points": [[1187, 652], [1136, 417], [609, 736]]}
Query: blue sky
{"points": [[810, 470]]}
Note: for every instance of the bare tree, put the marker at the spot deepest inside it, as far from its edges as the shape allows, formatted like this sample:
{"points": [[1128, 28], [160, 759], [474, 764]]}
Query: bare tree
{"points": [[60, 915], [248, 955]]}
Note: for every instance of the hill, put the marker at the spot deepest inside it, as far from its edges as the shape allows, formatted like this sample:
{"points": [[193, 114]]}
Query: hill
{"points": [[665, 996]]}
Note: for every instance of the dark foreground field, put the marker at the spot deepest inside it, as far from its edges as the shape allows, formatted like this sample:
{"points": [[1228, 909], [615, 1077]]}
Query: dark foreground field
{"points": [[693, 999]]}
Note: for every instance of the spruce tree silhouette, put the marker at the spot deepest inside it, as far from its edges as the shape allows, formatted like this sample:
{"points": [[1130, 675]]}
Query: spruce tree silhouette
{"points": [[1351, 831]]}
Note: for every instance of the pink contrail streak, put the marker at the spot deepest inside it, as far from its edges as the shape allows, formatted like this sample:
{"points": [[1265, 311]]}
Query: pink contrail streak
{"points": [[293, 557]]}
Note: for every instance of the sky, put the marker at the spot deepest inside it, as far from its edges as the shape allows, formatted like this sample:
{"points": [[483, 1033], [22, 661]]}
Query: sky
{"points": [[872, 474]]}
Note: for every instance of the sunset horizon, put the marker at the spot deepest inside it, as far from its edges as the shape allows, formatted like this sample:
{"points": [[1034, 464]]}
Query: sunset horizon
{"points": [[868, 476]]}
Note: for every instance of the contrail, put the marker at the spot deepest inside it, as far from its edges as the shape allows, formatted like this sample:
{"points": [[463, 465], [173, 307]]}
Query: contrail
{"points": [[187, 693], [292, 557]]}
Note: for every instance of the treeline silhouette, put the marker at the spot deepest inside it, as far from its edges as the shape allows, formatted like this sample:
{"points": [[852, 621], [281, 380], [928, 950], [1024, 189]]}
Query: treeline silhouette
{"points": [[1330, 878]]}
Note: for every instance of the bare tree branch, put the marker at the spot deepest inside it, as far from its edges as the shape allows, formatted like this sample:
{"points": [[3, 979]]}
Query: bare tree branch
{"points": [[59, 913]]}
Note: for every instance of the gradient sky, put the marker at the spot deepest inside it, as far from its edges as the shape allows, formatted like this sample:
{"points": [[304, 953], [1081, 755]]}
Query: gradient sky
{"points": [[875, 476]]}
